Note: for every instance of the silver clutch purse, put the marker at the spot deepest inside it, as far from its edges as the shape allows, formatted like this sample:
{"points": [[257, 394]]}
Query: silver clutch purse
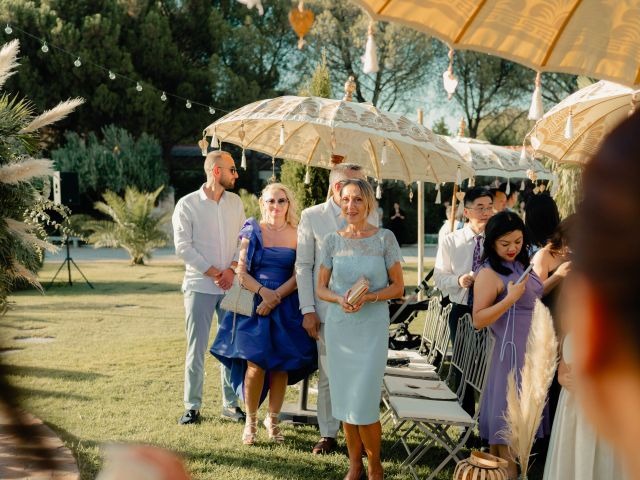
{"points": [[238, 299]]}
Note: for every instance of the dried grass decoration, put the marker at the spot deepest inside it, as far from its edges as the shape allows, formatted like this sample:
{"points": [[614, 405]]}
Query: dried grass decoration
{"points": [[525, 404]]}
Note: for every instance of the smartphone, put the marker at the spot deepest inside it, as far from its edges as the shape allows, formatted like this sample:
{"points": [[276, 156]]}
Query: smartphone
{"points": [[524, 274]]}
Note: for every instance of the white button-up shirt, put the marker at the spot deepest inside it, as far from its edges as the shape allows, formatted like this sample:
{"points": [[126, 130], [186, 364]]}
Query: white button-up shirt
{"points": [[454, 259], [206, 235]]}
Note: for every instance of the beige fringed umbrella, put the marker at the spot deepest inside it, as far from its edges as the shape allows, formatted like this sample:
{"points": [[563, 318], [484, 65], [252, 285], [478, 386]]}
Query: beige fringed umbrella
{"points": [[599, 39], [310, 129], [572, 131]]}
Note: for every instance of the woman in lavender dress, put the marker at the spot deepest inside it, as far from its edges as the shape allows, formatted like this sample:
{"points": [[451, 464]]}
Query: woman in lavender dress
{"points": [[506, 309]]}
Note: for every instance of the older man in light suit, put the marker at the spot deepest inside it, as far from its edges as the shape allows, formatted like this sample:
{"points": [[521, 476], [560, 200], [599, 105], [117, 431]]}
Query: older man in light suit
{"points": [[315, 223]]}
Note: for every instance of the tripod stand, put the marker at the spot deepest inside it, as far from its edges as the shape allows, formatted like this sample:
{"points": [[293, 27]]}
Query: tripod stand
{"points": [[68, 261]]}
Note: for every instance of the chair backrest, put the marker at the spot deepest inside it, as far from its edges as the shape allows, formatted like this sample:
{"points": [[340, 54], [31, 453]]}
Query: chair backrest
{"points": [[441, 341], [430, 326], [477, 369], [462, 353]]}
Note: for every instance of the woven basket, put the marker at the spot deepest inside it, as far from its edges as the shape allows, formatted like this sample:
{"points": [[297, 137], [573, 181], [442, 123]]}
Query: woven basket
{"points": [[481, 466]]}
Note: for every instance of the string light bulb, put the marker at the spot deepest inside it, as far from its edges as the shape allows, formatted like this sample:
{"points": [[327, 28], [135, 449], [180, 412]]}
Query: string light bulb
{"points": [[188, 104], [112, 76], [45, 47], [77, 62], [138, 86], [212, 110], [8, 30], [163, 97]]}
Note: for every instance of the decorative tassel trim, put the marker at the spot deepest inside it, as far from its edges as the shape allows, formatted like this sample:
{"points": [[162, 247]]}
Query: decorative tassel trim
{"points": [[522, 186], [410, 193], [523, 156], [459, 176], [378, 191], [536, 111], [507, 190], [243, 162], [214, 140], [370, 57], [281, 134], [203, 146], [449, 80], [568, 127], [438, 195], [307, 177], [384, 158], [472, 182]]}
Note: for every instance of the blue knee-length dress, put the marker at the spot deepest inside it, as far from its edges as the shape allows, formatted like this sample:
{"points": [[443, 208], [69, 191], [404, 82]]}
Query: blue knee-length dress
{"points": [[275, 342], [357, 343]]}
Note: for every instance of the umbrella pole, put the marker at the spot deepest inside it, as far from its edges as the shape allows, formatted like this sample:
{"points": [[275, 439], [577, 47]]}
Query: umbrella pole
{"points": [[454, 206], [420, 222]]}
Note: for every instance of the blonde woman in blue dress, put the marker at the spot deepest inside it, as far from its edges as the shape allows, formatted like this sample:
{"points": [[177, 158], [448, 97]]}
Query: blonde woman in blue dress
{"points": [[357, 335]]}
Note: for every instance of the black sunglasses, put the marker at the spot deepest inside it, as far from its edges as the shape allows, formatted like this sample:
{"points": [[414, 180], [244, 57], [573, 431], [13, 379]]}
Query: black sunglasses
{"points": [[280, 201]]}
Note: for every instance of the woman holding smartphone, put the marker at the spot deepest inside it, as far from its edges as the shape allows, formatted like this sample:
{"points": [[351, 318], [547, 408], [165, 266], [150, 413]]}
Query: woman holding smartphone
{"points": [[505, 305]]}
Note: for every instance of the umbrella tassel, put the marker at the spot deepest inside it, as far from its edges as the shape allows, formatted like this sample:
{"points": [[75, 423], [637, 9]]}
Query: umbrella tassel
{"points": [[378, 191], [203, 146], [281, 134], [307, 177], [384, 158], [410, 194], [438, 195], [370, 57], [536, 111], [449, 80], [507, 190], [522, 185], [214, 140], [568, 127], [243, 162], [523, 156], [472, 182], [459, 176]]}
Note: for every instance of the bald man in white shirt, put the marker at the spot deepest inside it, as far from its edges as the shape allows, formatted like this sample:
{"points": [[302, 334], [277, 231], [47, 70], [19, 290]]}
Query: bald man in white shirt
{"points": [[206, 224]]}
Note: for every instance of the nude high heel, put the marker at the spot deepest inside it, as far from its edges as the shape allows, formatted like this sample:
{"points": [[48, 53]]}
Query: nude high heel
{"points": [[273, 427]]}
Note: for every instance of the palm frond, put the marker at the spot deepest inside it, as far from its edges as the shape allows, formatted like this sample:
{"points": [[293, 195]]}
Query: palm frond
{"points": [[57, 113]]}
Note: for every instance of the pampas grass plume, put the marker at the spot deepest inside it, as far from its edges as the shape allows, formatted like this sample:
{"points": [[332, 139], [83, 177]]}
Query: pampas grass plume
{"points": [[20, 271], [26, 170], [23, 232], [55, 114], [526, 404], [8, 60]]}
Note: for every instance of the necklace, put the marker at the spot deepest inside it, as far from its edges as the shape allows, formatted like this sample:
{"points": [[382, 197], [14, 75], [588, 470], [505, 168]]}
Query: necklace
{"points": [[276, 229]]}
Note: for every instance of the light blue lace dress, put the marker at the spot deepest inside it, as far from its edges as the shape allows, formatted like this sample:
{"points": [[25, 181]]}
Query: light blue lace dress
{"points": [[357, 343]]}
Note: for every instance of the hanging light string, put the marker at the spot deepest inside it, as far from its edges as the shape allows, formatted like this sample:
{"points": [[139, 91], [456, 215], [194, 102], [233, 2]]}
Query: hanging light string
{"points": [[139, 85]]}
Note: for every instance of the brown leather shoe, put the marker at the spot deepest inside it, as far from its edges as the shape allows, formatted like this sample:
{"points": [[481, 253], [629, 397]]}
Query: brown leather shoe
{"points": [[325, 445]]}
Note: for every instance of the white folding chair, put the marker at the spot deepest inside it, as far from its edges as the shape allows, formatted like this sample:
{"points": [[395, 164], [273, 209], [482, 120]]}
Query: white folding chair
{"points": [[427, 339], [434, 418]]}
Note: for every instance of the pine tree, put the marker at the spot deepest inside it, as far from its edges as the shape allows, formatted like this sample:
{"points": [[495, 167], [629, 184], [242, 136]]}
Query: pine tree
{"points": [[293, 173], [24, 209]]}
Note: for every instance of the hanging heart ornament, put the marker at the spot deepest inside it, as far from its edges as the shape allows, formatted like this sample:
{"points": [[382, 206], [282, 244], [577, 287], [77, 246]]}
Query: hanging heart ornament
{"points": [[301, 20], [460, 196]]}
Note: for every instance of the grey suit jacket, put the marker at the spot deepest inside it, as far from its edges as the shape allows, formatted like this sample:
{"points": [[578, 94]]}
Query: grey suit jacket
{"points": [[316, 223]]}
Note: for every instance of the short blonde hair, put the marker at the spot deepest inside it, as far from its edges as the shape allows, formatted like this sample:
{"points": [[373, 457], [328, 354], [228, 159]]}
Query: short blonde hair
{"points": [[366, 190], [292, 211], [212, 159]]}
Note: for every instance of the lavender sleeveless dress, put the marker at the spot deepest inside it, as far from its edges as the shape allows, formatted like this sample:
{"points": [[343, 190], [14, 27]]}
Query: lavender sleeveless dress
{"points": [[510, 332]]}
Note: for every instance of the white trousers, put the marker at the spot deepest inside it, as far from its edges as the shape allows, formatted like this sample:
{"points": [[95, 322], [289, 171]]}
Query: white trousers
{"points": [[328, 425]]}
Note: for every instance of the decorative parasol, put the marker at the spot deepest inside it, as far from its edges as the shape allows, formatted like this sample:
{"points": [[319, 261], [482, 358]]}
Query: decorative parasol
{"points": [[596, 39], [311, 130], [572, 131]]}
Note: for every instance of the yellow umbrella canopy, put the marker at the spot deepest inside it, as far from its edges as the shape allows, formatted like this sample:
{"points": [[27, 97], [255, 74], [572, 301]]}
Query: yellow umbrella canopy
{"points": [[310, 129], [572, 131], [599, 39]]}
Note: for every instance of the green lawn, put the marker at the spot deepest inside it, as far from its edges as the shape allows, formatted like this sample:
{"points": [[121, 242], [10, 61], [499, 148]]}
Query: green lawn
{"points": [[106, 365]]}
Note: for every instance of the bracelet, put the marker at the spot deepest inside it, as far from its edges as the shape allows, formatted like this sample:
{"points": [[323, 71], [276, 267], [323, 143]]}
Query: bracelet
{"points": [[376, 297], [261, 287]]}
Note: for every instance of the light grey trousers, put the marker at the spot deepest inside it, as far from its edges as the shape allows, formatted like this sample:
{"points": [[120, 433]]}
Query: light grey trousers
{"points": [[326, 422], [199, 309]]}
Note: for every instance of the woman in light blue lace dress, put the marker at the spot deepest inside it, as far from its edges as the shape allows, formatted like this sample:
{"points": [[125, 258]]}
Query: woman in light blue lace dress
{"points": [[357, 335]]}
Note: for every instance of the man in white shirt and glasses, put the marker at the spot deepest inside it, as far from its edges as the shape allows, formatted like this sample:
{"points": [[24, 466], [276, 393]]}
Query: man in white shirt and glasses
{"points": [[459, 255], [206, 224]]}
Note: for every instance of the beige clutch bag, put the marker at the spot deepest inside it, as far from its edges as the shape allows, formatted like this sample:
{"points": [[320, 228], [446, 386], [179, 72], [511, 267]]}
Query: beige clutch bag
{"points": [[358, 290], [238, 299]]}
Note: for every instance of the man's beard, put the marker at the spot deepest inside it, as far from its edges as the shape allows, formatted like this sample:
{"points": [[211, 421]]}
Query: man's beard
{"points": [[228, 184]]}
